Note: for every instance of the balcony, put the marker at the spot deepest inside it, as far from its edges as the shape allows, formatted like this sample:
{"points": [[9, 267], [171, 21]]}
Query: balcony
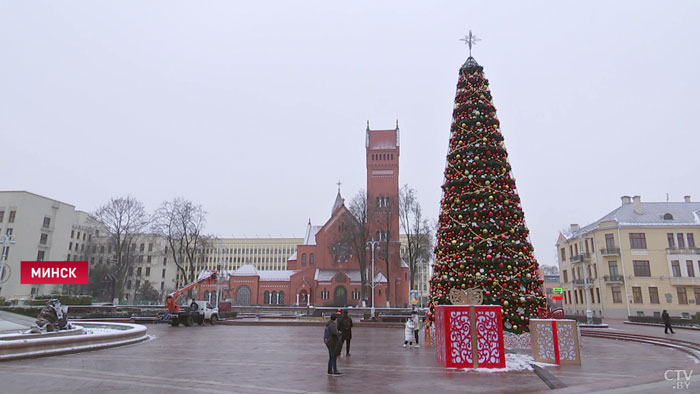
{"points": [[683, 251], [580, 258], [614, 278], [610, 252], [685, 281], [579, 282]]}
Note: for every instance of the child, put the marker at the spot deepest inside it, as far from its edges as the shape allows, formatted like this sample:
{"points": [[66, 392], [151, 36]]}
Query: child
{"points": [[408, 333]]}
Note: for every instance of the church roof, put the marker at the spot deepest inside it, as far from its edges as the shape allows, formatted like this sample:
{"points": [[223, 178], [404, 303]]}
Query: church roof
{"points": [[293, 256], [339, 202], [354, 275], [250, 270], [310, 237]]}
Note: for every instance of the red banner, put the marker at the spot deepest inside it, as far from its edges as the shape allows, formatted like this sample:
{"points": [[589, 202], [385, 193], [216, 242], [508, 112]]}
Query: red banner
{"points": [[54, 273]]}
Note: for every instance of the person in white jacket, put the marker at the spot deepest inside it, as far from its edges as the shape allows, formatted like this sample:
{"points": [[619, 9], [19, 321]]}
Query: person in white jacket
{"points": [[408, 333]]}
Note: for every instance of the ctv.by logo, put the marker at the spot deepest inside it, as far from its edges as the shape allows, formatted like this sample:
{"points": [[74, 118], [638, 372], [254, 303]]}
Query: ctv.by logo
{"points": [[681, 377]]}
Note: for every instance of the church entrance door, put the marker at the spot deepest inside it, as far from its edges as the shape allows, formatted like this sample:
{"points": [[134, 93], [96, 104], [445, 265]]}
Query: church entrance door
{"points": [[243, 296], [340, 296]]}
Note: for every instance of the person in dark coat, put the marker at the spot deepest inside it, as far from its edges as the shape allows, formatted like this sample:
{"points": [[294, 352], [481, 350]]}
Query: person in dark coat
{"points": [[667, 322], [345, 328], [332, 340]]}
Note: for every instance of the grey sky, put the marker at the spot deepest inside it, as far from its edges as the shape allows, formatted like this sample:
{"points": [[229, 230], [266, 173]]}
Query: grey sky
{"points": [[256, 110]]}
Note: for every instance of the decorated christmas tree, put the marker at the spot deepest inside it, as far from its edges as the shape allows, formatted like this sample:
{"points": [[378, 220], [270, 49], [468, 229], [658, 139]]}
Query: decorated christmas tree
{"points": [[482, 239]]}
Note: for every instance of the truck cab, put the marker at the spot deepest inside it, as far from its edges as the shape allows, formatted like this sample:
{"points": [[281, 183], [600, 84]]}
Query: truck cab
{"points": [[204, 311]]}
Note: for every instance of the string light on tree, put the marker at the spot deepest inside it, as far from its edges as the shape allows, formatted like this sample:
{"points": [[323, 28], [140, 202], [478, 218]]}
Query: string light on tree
{"points": [[482, 238]]}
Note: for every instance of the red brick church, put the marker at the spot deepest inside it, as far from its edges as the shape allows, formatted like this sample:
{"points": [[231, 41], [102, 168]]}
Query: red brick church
{"points": [[324, 271]]}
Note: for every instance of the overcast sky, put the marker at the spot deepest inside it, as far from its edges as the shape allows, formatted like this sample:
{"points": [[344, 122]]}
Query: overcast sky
{"points": [[256, 109]]}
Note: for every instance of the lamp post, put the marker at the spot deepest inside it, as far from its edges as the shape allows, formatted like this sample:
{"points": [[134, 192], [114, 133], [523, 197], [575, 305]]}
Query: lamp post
{"points": [[4, 240], [586, 285], [372, 244]]}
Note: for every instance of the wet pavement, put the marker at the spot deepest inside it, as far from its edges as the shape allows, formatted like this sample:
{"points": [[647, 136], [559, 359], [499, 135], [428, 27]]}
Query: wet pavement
{"points": [[279, 359]]}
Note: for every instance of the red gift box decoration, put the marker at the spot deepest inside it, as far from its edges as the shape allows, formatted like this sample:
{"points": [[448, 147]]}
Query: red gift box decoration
{"points": [[469, 336]]}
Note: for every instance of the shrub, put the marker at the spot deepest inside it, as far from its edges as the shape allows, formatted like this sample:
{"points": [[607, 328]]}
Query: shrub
{"points": [[65, 299]]}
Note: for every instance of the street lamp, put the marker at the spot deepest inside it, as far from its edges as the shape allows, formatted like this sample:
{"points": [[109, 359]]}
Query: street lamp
{"points": [[586, 285], [5, 240], [372, 244]]}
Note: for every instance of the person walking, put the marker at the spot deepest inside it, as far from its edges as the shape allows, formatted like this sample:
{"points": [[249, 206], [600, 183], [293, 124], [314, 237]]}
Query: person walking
{"points": [[345, 328], [331, 339], [667, 322], [408, 333], [416, 326]]}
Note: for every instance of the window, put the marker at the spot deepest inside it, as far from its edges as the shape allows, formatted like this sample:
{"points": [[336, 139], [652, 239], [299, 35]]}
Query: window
{"points": [[2, 216], [676, 268], [681, 241], [612, 267], [47, 222], [654, 295], [150, 247], [382, 202], [311, 259], [668, 216], [691, 240], [148, 271], [382, 235], [562, 254], [597, 293], [682, 296], [576, 296], [70, 245], [8, 231], [638, 241], [11, 219], [616, 295], [609, 241], [565, 276], [137, 284], [84, 234], [40, 256], [43, 239], [641, 268], [697, 295], [303, 259], [165, 260], [162, 285], [148, 259], [689, 266], [671, 240], [128, 284], [138, 271], [637, 295], [163, 273]]}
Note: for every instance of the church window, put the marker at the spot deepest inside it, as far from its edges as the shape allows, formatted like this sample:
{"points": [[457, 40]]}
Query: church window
{"points": [[303, 259], [392, 156], [266, 298], [311, 259]]}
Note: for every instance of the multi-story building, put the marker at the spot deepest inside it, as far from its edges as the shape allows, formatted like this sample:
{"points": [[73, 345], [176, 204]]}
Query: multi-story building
{"points": [[37, 228], [637, 260], [422, 274]]}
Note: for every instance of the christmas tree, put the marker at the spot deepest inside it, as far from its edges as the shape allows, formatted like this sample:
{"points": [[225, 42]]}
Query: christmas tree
{"points": [[482, 239]]}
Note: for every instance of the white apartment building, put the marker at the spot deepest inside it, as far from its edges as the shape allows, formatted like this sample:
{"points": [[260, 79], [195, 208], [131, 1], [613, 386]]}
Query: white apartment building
{"points": [[36, 228]]}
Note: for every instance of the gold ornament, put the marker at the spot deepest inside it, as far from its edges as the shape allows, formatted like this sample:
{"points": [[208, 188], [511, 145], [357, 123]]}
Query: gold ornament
{"points": [[472, 296]]}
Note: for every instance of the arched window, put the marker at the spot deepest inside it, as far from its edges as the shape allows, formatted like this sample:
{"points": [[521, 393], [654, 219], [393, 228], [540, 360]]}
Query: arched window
{"points": [[266, 298], [281, 298], [303, 259], [206, 295], [668, 216], [311, 259], [273, 299]]}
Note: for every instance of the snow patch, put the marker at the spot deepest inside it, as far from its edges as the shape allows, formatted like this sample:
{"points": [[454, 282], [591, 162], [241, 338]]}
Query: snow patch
{"points": [[514, 362]]}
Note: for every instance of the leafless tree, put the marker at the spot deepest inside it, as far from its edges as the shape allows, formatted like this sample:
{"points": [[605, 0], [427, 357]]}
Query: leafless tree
{"points": [[124, 219], [182, 222], [417, 229], [384, 217], [357, 234]]}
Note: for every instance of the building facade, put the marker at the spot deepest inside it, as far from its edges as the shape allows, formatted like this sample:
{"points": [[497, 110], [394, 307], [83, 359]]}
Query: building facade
{"points": [[638, 260], [325, 270], [37, 228]]}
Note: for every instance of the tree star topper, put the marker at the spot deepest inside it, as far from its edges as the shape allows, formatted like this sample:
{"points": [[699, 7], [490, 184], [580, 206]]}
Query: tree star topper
{"points": [[470, 40]]}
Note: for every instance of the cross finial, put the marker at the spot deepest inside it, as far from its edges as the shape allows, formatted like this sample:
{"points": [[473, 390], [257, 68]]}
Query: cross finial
{"points": [[339, 186], [470, 40]]}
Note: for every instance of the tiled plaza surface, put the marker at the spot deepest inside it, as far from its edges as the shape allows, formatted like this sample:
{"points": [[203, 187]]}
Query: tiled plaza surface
{"points": [[292, 359]]}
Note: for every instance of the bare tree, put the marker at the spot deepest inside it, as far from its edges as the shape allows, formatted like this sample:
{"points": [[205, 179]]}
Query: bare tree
{"points": [[182, 222], [384, 217], [357, 234], [417, 229], [124, 219]]}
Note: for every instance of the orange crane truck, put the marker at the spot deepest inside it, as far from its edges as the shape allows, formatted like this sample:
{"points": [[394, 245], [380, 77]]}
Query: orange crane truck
{"points": [[196, 311]]}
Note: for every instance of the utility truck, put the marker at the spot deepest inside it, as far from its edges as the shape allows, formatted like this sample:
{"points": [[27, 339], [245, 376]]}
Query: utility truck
{"points": [[194, 311]]}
